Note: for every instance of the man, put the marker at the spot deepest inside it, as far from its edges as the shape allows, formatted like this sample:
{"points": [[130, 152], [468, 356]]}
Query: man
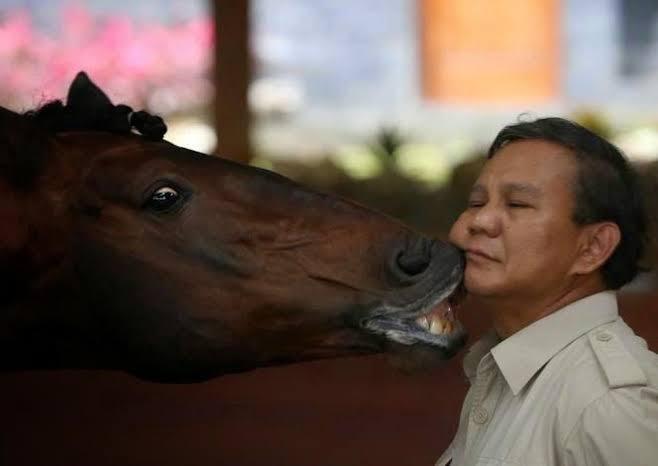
{"points": [[553, 226]]}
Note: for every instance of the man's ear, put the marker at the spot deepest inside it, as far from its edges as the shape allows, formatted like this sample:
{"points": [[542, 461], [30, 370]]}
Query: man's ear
{"points": [[598, 243]]}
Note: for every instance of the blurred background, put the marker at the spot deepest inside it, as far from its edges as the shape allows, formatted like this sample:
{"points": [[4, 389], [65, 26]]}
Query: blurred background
{"points": [[389, 102]]}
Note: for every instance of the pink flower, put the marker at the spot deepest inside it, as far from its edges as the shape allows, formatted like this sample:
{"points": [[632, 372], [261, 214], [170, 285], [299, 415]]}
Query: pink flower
{"points": [[130, 61]]}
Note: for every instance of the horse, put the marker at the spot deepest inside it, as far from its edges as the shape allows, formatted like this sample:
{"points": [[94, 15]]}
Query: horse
{"points": [[120, 250]]}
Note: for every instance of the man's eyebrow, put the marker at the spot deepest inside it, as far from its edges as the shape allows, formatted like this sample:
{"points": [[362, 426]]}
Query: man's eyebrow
{"points": [[512, 188]]}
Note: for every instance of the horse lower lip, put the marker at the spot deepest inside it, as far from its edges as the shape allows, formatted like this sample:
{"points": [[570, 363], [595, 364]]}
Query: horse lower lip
{"points": [[429, 324]]}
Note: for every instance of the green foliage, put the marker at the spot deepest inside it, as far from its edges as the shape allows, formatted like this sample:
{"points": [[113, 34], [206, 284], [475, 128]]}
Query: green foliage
{"points": [[429, 207], [594, 121], [386, 145], [431, 210]]}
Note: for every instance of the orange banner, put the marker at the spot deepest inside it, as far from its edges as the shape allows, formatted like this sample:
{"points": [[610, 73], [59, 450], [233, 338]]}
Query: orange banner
{"points": [[488, 51]]}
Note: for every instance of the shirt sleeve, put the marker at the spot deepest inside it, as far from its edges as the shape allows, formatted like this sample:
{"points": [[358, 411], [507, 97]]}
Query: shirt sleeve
{"points": [[620, 428]]}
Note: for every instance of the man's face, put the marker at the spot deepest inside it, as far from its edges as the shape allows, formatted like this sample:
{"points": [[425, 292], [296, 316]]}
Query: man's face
{"points": [[517, 230]]}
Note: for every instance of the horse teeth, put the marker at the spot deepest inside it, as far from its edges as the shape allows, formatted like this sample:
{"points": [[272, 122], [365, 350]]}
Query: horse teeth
{"points": [[437, 327], [434, 325], [424, 322], [448, 327]]}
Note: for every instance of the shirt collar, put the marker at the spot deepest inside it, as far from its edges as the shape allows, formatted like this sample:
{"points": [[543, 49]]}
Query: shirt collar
{"points": [[476, 352], [520, 356]]}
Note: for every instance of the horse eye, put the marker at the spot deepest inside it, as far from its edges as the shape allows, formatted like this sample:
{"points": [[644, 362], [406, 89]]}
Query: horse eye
{"points": [[163, 199]]}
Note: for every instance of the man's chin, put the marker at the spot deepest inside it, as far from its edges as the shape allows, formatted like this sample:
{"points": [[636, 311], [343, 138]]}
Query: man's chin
{"points": [[479, 288]]}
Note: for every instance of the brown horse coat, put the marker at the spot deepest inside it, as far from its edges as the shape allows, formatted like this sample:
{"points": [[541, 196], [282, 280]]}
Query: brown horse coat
{"points": [[121, 250]]}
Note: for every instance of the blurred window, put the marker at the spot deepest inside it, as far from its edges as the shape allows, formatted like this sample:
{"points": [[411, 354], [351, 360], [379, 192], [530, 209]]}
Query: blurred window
{"points": [[639, 37]]}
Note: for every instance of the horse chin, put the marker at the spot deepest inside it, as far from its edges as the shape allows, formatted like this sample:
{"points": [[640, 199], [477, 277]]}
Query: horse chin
{"points": [[416, 358], [180, 374], [413, 350]]}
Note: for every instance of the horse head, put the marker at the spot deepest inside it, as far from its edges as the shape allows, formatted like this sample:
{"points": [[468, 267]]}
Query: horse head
{"points": [[121, 250]]}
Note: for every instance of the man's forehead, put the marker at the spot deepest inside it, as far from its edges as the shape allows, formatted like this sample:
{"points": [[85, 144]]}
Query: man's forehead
{"points": [[528, 154], [523, 164]]}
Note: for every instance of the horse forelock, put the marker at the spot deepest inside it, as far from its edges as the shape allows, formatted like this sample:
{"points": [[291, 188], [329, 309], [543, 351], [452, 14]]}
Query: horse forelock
{"points": [[25, 138], [89, 108], [56, 117]]}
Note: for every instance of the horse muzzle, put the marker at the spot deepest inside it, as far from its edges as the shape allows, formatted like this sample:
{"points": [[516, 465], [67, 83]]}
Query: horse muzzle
{"points": [[423, 311]]}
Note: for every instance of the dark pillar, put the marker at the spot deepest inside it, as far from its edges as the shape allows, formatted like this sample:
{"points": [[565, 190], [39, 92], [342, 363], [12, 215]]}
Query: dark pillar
{"points": [[232, 71]]}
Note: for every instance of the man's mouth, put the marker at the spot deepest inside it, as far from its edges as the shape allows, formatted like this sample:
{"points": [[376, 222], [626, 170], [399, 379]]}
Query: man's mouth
{"points": [[478, 254]]}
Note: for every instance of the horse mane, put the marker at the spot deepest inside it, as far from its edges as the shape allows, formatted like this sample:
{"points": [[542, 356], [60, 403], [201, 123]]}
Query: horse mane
{"points": [[87, 108], [56, 117]]}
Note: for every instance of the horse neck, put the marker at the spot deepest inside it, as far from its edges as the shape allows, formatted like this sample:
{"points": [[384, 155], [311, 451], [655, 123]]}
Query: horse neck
{"points": [[42, 325], [43, 322]]}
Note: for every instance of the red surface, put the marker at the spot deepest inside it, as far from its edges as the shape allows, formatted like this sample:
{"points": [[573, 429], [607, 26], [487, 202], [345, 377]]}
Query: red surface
{"points": [[346, 412]]}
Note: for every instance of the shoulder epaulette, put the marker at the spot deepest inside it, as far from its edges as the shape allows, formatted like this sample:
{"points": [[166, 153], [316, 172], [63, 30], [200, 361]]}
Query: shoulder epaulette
{"points": [[620, 367]]}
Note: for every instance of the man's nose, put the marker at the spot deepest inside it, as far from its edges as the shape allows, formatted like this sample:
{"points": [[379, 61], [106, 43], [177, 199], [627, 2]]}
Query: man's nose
{"points": [[486, 220]]}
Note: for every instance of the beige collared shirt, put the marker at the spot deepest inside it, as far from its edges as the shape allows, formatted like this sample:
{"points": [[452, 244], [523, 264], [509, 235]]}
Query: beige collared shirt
{"points": [[577, 387]]}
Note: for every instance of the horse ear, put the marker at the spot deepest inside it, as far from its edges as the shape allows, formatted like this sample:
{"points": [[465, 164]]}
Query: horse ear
{"points": [[22, 149], [9, 120], [10, 126], [13, 233], [85, 97]]}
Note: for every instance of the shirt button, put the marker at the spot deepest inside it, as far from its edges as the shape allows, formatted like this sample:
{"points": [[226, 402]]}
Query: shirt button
{"points": [[480, 415], [604, 336]]}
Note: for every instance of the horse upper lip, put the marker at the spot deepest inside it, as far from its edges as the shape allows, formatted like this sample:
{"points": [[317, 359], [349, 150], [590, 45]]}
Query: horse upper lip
{"points": [[457, 296], [431, 320], [451, 294]]}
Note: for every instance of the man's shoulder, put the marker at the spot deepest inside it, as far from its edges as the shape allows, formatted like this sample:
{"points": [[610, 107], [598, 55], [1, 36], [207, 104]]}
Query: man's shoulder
{"points": [[608, 362], [608, 357], [619, 423], [622, 357]]}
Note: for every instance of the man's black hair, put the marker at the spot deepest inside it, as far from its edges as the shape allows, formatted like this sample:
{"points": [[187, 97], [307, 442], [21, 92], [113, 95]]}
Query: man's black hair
{"points": [[606, 188]]}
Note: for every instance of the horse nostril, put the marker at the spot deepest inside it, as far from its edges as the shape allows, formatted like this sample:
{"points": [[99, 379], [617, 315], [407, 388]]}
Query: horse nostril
{"points": [[413, 264], [413, 261], [423, 258]]}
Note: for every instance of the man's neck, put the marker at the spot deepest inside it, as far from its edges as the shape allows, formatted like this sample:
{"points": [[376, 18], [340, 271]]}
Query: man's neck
{"points": [[513, 313]]}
